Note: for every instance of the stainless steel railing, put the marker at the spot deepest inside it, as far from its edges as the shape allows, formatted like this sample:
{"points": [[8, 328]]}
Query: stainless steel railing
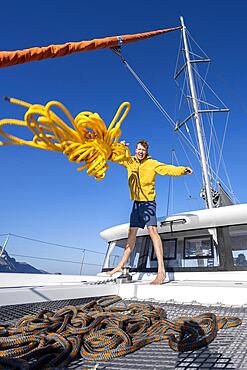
{"points": [[24, 254]]}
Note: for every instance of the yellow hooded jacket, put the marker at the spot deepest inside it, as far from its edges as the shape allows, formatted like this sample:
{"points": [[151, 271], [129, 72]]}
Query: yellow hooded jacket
{"points": [[141, 176]]}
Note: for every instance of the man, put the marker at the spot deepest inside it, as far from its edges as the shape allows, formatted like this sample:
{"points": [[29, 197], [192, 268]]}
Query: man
{"points": [[142, 170]]}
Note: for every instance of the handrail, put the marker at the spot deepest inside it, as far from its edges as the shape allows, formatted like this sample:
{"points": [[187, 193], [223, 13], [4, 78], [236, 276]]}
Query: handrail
{"points": [[55, 259], [89, 261], [50, 243], [172, 222], [175, 221]]}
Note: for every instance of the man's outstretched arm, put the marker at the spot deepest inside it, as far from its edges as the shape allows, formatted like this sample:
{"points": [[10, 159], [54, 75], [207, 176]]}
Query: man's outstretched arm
{"points": [[171, 170]]}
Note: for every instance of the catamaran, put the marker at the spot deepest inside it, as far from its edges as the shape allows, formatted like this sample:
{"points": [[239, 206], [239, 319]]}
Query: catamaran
{"points": [[205, 251]]}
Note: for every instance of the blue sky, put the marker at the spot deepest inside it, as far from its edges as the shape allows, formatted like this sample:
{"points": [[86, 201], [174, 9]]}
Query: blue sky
{"points": [[43, 196]]}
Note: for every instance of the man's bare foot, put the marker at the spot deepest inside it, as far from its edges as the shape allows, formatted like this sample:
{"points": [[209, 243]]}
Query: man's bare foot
{"points": [[112, 272], [160, 278]]}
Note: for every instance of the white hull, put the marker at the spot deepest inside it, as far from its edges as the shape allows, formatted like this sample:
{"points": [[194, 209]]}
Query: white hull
{"points": [[203, 285], [227, 288]]}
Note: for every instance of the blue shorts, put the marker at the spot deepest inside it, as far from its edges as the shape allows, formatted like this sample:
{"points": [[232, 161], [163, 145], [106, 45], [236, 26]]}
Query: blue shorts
{"points": [[143, 214]]}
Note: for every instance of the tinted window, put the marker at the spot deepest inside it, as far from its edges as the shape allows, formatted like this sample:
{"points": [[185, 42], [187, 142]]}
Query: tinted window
{"points": [[200, 246], [169, 249], [238, 236]]}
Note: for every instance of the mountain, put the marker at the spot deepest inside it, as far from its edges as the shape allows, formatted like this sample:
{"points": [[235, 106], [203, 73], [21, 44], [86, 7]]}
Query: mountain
{"points": [[9, 264]]}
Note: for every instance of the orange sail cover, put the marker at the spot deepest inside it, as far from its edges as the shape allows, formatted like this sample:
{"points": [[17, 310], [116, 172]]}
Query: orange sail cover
{"points": [[11, 58]]}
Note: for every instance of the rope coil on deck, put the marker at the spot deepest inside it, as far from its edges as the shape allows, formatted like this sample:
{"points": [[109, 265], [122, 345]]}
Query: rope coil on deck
{"points": [[89, 140], [100, 331]]}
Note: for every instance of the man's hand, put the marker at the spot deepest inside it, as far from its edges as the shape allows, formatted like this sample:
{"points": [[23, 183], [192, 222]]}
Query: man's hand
{"points": [[124, 143], [188, 171]]}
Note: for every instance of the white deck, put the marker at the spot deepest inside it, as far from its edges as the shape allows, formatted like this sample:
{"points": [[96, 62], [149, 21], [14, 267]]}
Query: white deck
{"points": [[214, 288], [208, 293]]}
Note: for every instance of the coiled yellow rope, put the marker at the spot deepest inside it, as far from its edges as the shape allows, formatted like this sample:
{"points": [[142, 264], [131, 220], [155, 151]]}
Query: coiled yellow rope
{"points": [[89, 140]]}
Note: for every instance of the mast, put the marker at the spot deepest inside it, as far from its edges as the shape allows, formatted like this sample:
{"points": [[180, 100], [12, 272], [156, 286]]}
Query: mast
{"points": [[196, 115]]}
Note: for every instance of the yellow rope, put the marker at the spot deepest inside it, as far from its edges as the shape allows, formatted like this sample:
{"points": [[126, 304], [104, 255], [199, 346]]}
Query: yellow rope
{"points": [[89, 140]]}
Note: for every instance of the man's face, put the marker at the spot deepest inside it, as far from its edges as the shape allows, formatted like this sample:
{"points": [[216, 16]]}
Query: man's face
{"points": [[141, 152]]}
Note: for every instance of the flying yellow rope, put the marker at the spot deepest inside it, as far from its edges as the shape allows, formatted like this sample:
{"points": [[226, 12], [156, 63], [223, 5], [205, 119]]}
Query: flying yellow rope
{"points": [[89, 140]]}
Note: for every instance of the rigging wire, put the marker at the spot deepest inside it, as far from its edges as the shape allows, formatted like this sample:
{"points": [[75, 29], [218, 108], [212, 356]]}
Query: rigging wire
{"points": [[183, 94], [191, 111], [212, 146], [189, 161], [207, 145], [186, 85], [188, 141], [221, 159], [210, 88], [176, 114], [152, 97], [184, 179], [178, 54], [196, 153], [200, 90], [199, 47], [220, 147], [170, 184], [156, 102], [234, 95], [159, 106], [186, 126], [188, 98], [201, 84]]}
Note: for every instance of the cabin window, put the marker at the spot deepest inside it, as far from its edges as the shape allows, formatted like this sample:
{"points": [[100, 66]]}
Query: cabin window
{"points": [[199, 251], [238, 236], [138, 257], [186, 249], [198, 247], [169, 249], [116, 252], [189, 249], [116, 249]]}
